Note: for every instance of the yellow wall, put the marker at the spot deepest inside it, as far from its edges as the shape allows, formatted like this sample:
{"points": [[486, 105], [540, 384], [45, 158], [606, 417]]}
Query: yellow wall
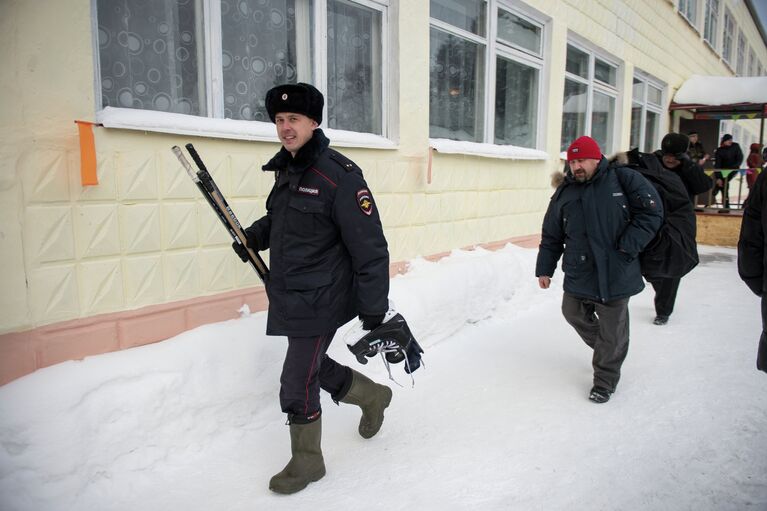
{"points": [[144, 236]]}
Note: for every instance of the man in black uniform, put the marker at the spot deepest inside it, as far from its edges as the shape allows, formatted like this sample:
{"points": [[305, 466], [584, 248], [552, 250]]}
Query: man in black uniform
{"points": [[752, 247], [674, 158], [329, 263]]}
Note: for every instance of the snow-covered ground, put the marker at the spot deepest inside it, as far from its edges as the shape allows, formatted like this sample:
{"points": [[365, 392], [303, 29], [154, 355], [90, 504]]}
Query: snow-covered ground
{"points": [[498, 418]]}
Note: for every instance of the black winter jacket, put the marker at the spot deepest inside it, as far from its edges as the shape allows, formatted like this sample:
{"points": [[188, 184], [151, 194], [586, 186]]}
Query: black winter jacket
{"points": [[328, 257], [598, 228], [673, 252], [693, 177], [752, 245], [728, 157]]}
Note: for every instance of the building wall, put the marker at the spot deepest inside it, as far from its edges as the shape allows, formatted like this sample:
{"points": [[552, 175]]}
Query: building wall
{"points": [[144, 237]]}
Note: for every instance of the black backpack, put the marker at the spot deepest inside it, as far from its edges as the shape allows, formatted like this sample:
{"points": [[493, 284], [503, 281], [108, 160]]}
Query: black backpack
{"points": [[673, 252]]}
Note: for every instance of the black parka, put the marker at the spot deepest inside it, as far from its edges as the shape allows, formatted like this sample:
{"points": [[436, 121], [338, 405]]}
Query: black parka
{"points": [[329, 259], [752, 245], [599, 227]]}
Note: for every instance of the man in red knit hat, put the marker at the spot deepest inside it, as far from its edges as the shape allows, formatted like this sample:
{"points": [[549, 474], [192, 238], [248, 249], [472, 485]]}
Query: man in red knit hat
{"points": [[598, 221]]}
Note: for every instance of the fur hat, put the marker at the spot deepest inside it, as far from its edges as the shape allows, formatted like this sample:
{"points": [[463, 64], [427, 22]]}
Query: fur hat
{"points": [[583, 148], [298, 98], [675, 143]]}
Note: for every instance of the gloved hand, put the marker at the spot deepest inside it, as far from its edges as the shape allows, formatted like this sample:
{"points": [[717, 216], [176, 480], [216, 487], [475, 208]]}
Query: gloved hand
{"points": [[371, 321], [241, 251]]}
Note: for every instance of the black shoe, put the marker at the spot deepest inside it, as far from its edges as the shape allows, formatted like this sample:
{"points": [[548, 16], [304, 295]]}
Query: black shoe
{"points": [[660, 320], [599, 395]]}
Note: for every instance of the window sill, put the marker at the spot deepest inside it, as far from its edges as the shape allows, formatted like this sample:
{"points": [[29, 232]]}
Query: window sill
{"points": [[180, 124], [509, 152]]}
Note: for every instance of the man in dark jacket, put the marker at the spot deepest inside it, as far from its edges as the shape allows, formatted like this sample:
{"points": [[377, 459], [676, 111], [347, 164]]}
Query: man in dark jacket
{"points": [[673, 158], [728, 156], [752, 248], [599, 220], [329, 262]]}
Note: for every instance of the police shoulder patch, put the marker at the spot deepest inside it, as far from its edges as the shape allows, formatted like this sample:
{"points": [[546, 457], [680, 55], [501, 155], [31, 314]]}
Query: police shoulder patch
{"points": [[365, 201]]}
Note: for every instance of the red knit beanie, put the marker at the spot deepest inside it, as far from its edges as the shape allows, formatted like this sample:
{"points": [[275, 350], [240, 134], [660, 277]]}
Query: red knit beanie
{"points": [[583, 148]]}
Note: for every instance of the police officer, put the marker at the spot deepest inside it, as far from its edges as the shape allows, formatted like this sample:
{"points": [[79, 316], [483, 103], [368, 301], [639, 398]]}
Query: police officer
{"points": [[329, 263]]}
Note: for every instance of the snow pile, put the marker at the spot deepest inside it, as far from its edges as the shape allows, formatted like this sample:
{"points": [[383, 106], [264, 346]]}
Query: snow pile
{"points": [[498, 419], [722, 90]]}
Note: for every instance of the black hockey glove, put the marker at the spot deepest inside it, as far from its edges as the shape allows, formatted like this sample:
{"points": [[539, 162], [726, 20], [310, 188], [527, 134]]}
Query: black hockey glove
{"points": [[371, 321]]}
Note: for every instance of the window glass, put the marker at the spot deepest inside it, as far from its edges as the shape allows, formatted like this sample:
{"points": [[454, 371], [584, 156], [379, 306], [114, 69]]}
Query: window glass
{"points": [[651, 131], [711, 21], [456, 87], [516, 103], [258, 52], [740, 67], [637, 90], [605, 72], [577, 62], [467, 15], [151, 56], [688, 8], [729, 30], [602, 120], [519, 32], [354, 97], [654, 95], [635, 137], [574, 112]]}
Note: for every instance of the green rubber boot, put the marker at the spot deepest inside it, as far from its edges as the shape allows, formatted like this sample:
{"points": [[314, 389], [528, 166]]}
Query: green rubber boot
{"points": [[372, 398], [306, 465]]}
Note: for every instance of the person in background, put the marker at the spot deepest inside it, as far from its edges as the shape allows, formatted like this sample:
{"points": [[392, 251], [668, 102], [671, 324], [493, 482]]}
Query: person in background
{"points": [[598, 221], [674, 158], [754, 164], [696, 151], [752, 248], [728, 156], [329, 263]]}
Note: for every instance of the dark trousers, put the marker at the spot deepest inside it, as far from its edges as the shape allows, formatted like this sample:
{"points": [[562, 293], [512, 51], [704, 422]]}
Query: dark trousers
{"points": [[604, 327], [761, 354], [306, 369], [665, 295]]}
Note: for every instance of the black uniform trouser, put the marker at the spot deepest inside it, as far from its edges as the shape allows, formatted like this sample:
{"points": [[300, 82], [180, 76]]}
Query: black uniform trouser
{"points": [[306, 369], [604, 327], [665, 295], [761, 354]]}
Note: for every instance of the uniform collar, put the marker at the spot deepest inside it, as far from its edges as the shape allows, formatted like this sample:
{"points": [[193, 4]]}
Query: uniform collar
{"points": [[305, 156]]}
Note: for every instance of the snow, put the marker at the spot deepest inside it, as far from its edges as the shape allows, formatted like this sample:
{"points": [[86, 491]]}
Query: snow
{"points": [[511, 152], [722, 90], [498, 419], [181, 124]]}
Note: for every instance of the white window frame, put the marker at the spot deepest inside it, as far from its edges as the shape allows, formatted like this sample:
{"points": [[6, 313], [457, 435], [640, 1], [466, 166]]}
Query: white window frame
{"points": [[594, 85], [493, 50], [215, 125], [683, 8], [646, 105], [729, 31], [751, 62], [741, 52], [711, 18]]}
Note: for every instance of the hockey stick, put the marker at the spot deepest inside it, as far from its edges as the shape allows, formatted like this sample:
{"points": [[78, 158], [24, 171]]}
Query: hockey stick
{"points": [[215, 198]]}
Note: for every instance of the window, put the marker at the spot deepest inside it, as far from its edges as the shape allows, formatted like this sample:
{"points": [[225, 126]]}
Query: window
{"points": [[752, 63], [646, 110], [689, 9], [219, 57], [727, 36], [484, 87], [591, 94], [711, 21], [740, 67]]}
